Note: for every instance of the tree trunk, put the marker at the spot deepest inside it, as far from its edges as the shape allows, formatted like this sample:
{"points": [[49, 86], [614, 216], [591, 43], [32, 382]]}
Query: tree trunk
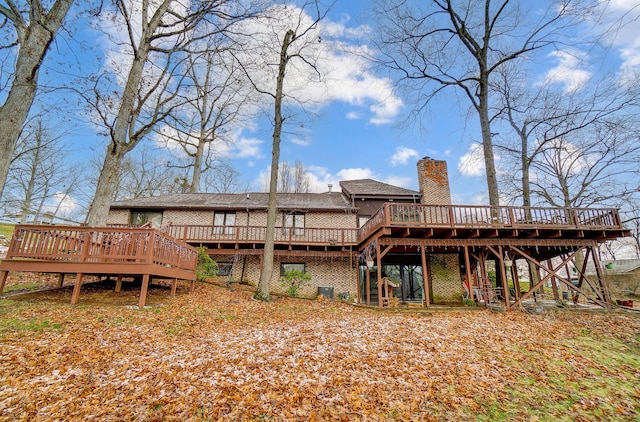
{"points": [[263, 292], [487, 141], [121, 142], [34, 40], [107, 182], [197, 164]]}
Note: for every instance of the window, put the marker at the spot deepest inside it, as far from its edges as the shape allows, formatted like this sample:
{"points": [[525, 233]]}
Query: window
{"points": [[363, 219], [224, 222], [294, 223], [138, 218], [225, 269], [285, 267]]}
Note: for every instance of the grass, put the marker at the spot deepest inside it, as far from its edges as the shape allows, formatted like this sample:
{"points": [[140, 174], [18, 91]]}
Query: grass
{"points": [[6, 229], [589, 377], [319, 357], [23, 286]]}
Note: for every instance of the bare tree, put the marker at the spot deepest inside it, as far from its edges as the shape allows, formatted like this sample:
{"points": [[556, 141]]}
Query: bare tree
{"points": [[589, 167], [291, 179], [223, 178], [301, 180], [539, 115], [632, 221], [443, 44], [147, 173], [214, 102], [132, 102], [284, 177], [296, 39], [39, 173], [29, 28]]}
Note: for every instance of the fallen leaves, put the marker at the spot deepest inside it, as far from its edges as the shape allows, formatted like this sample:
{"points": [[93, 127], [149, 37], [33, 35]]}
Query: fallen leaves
{"points": [[218, 355]]}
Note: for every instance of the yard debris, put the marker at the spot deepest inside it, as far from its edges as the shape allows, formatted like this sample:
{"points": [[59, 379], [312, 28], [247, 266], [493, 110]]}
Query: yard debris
{"points": [[216, 354]]}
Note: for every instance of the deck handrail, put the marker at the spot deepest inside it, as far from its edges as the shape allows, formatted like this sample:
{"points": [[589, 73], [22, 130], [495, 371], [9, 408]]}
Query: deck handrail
{"points": [[100, 244], [257, 234], [478, 216]]}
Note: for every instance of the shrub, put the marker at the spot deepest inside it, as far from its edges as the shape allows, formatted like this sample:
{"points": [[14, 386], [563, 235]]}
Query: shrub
{"points": [[206, 267], [293, 281]]}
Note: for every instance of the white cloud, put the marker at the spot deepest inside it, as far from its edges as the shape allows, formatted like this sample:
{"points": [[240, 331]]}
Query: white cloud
{"points": [[401, 181], [353, 115], [402, 155], [234, 146], [568, 72], [61, 204], [301, 142], [620, 24], [341, 71], [567, 157], [472, 163], [355, 174], [245, 148]]}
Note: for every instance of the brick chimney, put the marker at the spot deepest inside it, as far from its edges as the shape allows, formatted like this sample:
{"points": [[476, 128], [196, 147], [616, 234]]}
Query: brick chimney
{"points": [[433, 181]]}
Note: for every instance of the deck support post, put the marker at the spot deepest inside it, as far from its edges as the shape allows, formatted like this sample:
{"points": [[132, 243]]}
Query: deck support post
{"points": [[516, 279], [3, 280], [602, 283], [467, 267], [60, 279], [143, 291], [358, 281], [118, 284], [76, 289], [174, 285], [368, 284], [503, 277], [554, 283], [192, 286], [379, 274], [425, 278]]}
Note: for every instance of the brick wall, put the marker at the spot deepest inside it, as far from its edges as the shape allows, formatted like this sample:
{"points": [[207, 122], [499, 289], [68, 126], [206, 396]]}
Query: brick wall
{"points": [[337, 220], [433, 181], [180, 217], [257, 218], [446, 284], [325, 271]]}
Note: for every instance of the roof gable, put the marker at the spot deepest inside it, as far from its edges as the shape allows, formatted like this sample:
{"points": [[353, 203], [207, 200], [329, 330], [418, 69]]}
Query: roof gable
{"points": [[373, 188], [256, 200]]}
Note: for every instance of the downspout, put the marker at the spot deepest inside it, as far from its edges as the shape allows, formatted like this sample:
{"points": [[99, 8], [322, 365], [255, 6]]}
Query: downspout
{"points": [[244, 259]]}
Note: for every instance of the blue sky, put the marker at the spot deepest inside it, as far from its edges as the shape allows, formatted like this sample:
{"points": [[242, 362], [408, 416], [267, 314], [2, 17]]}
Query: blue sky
{"points": [[356, 130], [346, 139]]}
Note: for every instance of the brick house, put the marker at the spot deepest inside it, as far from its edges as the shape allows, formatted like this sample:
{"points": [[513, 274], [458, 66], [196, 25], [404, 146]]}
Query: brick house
{"points": [[434, 252]]}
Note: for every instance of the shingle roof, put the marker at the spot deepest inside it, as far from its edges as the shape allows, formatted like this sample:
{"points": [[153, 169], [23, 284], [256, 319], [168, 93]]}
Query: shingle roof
{"points": [[370, 187], [291, 201]]}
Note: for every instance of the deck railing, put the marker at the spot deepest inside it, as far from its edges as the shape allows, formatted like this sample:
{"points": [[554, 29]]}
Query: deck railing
{"points": [[100, 244], [471, 216], [257, 234]]}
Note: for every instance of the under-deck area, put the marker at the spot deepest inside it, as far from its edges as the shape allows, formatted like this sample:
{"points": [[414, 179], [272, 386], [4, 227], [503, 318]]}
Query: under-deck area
{"points": [[551, 246]]}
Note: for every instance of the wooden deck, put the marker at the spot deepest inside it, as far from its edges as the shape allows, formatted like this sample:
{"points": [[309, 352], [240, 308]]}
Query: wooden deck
{"points": [[144, 252], [548, 239], [440, 222], [419, 221], [250, 237]]}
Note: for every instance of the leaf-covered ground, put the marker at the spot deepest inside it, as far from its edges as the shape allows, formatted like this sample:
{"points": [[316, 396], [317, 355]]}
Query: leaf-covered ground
{"points": [[219, 355]]}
